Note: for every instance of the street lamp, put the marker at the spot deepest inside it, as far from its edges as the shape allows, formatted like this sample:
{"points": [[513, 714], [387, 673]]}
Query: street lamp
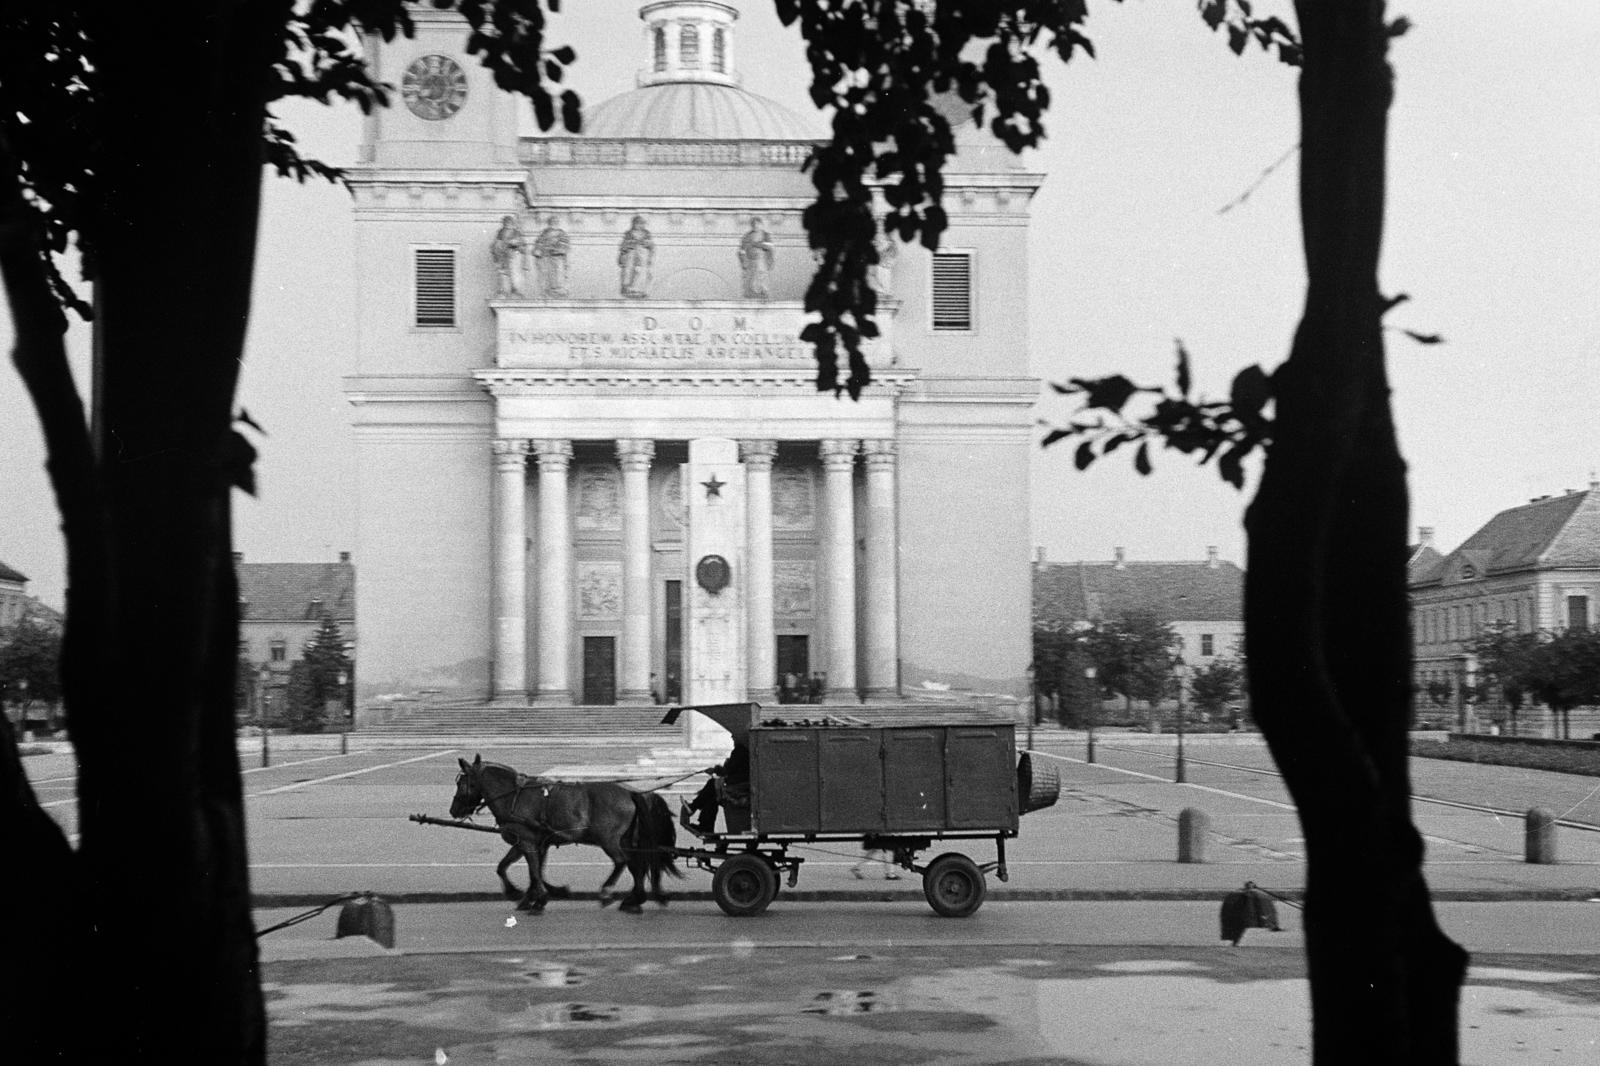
{"points": [[1180, 774], [262, 675], [1033, 699], [1089, 711]]}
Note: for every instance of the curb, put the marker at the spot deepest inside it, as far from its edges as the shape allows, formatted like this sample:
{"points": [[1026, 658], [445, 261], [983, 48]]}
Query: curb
{"points": [[264, 901]]}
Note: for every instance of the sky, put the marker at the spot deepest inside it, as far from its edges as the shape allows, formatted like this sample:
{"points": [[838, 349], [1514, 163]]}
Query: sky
{"points": [[1493, 229]]}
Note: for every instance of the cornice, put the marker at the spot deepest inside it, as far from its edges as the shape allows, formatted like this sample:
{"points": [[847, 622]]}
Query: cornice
{"points": [[512, 382]]}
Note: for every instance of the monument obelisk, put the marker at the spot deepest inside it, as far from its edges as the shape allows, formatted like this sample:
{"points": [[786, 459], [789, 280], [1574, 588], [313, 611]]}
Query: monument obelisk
{"points": [[714, 609]]}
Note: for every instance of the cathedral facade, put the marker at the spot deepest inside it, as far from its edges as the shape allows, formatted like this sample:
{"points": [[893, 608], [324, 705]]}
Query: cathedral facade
{"points": [[551, 326]]}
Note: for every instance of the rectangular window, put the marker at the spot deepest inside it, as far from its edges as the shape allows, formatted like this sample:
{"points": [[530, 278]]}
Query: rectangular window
{"points": [[435, 287], [1577, 612], [280, 651], [1206, 646], [952, 292]]}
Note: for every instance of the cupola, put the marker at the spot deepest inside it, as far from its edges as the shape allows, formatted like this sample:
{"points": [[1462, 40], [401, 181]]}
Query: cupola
{"points": [[688, 40]]}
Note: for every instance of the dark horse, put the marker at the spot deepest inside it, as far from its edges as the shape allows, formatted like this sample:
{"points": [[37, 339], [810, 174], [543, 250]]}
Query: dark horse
{"points": [[635, 829]]}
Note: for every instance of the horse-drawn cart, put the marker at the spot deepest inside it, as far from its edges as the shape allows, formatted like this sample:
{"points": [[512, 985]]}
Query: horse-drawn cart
{"points": [[896, 783]]}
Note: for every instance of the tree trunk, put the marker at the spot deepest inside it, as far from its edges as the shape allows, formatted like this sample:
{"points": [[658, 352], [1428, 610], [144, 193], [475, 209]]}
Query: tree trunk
{"points": [[1325, 600], [150, 646]]}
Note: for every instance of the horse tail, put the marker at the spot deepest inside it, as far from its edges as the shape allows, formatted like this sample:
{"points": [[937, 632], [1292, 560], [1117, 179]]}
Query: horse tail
{"points": [[655, 833]]}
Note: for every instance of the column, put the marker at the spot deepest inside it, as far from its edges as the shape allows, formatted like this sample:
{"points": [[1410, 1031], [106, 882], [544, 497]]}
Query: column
{"points": [[882, 636], [555, 571], [761, 644], [634, 457], [839, 548], [510, 671]]}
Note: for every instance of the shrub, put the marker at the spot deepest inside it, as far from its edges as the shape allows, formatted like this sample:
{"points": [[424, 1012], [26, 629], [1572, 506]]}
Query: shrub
{"points": [[1526, 756]]}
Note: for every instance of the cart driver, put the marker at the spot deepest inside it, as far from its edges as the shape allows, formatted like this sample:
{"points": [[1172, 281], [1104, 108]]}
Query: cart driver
{"points": [[728, 782]]}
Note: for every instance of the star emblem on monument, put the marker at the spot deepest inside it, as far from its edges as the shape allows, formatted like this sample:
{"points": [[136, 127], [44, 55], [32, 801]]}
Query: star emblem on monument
{"points": [[713, 487]]}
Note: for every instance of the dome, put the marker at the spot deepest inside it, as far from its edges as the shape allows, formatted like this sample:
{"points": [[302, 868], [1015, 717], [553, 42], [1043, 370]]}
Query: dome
{"points": [[698, 110]]}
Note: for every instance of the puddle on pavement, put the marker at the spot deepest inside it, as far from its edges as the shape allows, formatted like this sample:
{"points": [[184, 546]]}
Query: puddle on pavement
{"points": [[847, 1002], [568, 1015], [558, 976]]}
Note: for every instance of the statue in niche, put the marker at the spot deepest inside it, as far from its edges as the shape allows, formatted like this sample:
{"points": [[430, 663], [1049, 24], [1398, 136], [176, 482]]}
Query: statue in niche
{"points": [[635, 256], [755, 260], [506, 251], [883, 270], [550, 250]]}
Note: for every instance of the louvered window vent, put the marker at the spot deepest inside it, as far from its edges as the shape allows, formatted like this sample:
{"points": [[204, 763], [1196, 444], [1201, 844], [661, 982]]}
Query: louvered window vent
{"points": [[952, 291], [436, 287]]}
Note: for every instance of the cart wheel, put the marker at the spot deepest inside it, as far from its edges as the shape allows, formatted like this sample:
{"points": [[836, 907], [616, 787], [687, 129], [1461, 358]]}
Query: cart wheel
{"points": [[954, 885], [744, 885]]}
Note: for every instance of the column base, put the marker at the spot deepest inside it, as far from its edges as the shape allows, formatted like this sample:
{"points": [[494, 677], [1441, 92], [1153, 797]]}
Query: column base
{"points": [[884, 695], [517, 698], [637, 697], [561, 697]]}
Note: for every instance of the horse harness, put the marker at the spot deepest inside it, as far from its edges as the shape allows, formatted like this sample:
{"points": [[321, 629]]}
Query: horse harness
{"points": [[538, 825]]}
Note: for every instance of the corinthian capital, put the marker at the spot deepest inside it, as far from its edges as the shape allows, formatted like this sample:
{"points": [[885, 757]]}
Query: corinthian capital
{"points": [[553, 454], [635, 454], [758, 454], [879, 454], [838, 454]]}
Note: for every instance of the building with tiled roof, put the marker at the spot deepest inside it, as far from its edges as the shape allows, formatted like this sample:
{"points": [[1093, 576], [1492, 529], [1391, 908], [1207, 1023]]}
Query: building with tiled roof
{"points": [[1535, 567], [281, 607], [14, 598], [1202, 600]]}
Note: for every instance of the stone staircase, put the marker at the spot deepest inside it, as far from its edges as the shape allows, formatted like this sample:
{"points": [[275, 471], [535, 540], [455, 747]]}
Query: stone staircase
{"points": [[480, 720], [641, 724]]}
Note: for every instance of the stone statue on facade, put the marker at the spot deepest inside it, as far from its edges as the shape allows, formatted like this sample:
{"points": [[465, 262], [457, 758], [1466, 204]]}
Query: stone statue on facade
{"points": [[755, 260], [635, 256], [883, 270], [550, 250], [506, 251]]}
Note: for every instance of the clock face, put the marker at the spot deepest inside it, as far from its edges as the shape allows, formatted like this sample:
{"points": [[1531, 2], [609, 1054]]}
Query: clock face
{"points": [[434, 87]]}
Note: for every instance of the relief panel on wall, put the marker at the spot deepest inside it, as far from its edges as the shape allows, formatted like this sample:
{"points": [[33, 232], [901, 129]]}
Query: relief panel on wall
{"points": [[794, 504], [599, 497], [599, 591], [793, 588], [669, 498]]}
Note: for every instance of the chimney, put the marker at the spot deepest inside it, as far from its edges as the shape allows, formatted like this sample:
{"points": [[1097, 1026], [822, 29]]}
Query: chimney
{"points": [[344, 557], [1211, 556], [1594, 483], [1121, 559], [1425, 536], [238, 557]]}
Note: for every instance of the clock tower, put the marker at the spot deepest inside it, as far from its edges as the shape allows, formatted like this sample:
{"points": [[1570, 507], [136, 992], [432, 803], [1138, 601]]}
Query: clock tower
{"points": [[447, 112]]}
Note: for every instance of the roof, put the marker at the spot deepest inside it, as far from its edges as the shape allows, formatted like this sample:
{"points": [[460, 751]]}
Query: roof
{"points": [[698, 111], [1548, 533], [1171, 592], [8, 574], [1423, 563], [287, 592]]}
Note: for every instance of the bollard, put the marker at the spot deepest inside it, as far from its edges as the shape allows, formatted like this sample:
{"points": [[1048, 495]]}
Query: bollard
{"points": [[344, 743], [369, 916], [1540, 836], [1192, 828]]}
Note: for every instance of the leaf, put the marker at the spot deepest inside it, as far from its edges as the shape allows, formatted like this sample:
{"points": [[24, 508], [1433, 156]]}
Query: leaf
{"points": [[1055, 435], [1399, 26], [1424, 338], [564, 55], [571, 112], [1141, 459], [238, 461], [1238, 37], [1084, 455], [1110, 393], [1251, 391], [1183, 370], [1389, 303], [244, 416], [543, 112]]}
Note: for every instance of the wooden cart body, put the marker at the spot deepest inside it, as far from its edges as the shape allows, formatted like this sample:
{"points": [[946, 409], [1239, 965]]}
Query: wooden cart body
{"points": [[896, 782]]}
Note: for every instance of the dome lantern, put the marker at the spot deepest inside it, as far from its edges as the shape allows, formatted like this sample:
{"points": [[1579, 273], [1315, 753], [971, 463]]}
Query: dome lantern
{"points": [[688, 41]]}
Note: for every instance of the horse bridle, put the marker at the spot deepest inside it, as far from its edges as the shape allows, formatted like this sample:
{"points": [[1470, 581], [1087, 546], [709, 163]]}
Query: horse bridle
{"points": [[485, 800]]}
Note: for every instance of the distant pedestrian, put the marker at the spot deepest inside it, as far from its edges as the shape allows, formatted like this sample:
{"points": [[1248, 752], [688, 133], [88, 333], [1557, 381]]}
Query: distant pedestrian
{"points": [[814, 688], [870, 856], [655, 688]]}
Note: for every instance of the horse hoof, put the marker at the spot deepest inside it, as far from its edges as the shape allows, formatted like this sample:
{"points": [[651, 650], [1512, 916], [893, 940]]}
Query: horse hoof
{"points": [[631, 908], [605, 902], [538, 906]]}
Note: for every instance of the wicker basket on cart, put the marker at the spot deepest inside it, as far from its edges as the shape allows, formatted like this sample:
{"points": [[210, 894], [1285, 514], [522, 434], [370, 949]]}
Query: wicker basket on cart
{"points": [[1038, 783]]}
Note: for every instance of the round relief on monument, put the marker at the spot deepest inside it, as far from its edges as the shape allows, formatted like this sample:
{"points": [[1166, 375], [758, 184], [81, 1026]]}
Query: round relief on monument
{"points": [[713, 573]]}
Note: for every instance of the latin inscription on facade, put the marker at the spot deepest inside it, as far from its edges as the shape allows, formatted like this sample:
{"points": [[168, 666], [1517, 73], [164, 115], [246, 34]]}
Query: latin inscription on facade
{"points": [[742, 336]]}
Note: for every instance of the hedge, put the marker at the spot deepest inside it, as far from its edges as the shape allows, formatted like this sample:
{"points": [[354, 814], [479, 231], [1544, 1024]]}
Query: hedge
{"points": [[1528, 757]]}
